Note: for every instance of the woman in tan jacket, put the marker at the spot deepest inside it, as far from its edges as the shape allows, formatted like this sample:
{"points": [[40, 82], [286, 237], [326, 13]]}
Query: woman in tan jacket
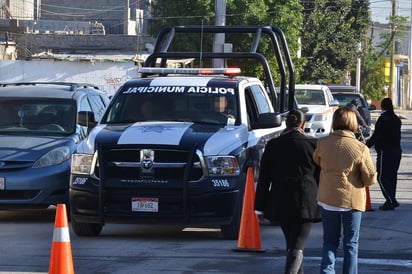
{"points": [[346, 168]]}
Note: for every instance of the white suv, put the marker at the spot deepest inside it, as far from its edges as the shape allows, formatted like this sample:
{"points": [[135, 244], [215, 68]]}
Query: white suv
{"points": [[320, 105]]}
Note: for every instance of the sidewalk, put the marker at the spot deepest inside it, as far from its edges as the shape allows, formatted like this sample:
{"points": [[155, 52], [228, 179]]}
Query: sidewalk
{"points": [[385, 238], [388, 234]]}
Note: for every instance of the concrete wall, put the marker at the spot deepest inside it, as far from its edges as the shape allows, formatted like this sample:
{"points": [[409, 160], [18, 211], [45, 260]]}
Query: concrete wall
{"points": [[108, 76], [29, 44], [7, 51]]}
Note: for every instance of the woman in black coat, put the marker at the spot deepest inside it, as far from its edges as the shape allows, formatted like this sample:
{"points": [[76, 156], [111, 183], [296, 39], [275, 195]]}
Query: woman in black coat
{"points": [[287, 187]]}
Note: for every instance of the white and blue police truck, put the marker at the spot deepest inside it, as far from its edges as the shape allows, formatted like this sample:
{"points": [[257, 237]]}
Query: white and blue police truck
{"points": [[173, 147]]}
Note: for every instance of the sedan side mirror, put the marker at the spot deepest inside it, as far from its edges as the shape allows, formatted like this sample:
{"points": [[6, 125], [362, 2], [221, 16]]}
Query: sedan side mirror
{"points": [[86, 119]]}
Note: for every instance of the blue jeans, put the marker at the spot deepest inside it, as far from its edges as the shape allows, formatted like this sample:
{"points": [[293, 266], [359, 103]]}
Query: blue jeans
{"points": [[333, 222]]}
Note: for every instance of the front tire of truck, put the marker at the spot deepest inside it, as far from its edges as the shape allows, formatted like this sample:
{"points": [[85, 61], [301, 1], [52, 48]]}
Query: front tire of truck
{"points": [[86, 229], [231, 230]]}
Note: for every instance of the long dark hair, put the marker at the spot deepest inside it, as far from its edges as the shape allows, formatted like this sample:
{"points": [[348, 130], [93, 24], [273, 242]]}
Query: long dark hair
{"points": [[295, 118], [386, 104]]}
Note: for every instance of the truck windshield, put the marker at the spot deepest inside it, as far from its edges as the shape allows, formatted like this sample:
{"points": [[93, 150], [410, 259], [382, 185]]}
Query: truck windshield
{"points": [[213, 108], [310, 97]]}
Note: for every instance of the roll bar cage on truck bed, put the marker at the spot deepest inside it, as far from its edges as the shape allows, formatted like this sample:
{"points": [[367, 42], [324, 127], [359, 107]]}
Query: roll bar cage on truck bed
{"points": [[162, 50]]}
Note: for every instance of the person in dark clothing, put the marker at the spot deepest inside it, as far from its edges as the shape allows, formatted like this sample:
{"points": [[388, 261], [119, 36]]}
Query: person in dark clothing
{"points": [[287, 187], [387, 142], [354, 105], [364, 129]]}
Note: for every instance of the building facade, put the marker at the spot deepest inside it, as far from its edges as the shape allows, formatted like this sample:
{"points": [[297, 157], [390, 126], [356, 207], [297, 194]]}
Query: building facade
{"points": [[117, 16]]}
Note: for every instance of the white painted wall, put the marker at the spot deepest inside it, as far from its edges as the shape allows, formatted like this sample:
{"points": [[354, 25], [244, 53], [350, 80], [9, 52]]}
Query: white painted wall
{"points": [[108, 76]]}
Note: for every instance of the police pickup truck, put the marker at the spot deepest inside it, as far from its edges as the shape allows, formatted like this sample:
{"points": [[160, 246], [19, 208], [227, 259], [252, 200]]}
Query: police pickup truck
{"points": [[173, 147]]}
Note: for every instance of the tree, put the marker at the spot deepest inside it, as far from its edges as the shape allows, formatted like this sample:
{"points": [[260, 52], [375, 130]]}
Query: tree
{"points": [[373, 76], [330, 37], [285, 14], [181, 12], [399, 27]]}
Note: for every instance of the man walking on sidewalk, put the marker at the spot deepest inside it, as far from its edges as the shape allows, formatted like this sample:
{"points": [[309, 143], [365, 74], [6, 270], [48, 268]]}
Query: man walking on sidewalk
{"points": [[387, 141]]}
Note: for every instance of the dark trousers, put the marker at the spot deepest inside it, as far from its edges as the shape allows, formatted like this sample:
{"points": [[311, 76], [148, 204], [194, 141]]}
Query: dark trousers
{"points": [[296, 234], [387, 165]]}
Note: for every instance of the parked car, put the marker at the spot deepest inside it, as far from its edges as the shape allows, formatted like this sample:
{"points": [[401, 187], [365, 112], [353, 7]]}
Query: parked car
{"points": [[364, 108], [342, 88], [295, 102], [38, 134], [320, 105]]}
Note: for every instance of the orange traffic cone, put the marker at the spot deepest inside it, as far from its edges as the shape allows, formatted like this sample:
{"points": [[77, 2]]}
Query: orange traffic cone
{"points": [[61, 261], [249, 232], [368, 200]]}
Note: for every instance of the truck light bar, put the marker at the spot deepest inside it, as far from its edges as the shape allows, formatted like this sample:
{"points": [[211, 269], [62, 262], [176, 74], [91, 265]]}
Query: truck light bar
{"points": [[202, 71]]}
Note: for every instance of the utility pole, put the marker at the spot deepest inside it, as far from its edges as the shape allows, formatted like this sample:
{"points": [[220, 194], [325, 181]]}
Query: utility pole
{"points": [[394, 13], [358, 67], [410, 61], [220, 10], [126, 17]]}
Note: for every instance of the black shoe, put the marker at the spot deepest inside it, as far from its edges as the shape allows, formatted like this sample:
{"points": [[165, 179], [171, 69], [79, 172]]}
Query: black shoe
{"points": [[395, 204], [387, 207]]}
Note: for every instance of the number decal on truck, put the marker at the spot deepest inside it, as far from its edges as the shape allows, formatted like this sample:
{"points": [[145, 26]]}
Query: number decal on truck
{"points": [[220, 183]]}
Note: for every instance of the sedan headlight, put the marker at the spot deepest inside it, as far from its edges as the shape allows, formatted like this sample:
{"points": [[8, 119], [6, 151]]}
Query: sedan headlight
{"points": [[320, 117], [83, 163], [222, 165], [53, 157]]}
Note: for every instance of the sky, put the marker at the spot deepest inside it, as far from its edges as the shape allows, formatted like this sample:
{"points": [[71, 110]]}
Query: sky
{"points": [[382, 9]]}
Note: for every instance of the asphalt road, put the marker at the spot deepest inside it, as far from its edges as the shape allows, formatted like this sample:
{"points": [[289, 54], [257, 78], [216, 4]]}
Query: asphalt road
{"points": [[385, 241]]}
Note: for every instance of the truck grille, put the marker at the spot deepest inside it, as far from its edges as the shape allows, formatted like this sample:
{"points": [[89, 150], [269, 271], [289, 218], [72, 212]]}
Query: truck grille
{"points": [[162, 173], [125, 166]]}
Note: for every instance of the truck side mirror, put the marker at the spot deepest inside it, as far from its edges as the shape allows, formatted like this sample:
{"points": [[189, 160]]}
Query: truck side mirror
{"points": [[334, 103], [268, 120]]}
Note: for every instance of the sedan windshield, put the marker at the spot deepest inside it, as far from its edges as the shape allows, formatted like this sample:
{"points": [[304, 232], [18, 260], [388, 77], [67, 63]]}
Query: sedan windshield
{"points": [[37, 117], [346, 98]]}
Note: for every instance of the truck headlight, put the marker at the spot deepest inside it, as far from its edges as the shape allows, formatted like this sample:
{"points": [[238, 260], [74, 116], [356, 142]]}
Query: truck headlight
{"points": [[222, 165], [83, 164], [53, 157]]}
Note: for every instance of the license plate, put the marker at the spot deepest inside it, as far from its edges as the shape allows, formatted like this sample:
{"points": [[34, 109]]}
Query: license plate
{"points": [[2, 183], [145, 204]]}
